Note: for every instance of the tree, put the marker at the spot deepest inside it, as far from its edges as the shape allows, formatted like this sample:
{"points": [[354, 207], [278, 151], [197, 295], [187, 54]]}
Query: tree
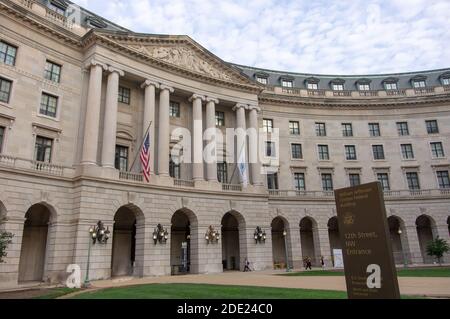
{"points": [[437, 248], [5, 240]]}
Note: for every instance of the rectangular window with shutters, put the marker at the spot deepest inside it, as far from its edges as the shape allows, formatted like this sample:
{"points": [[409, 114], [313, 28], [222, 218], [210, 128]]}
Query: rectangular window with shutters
{"points": [[124, 95], [174, 109], [52, 71], [5, 90], [299, 181], [7, 53], [432, 127], [49, 105], [437, 149], [220, 118], [268, 125], [378, 152], [296, 151], [413, 180], [347, 129], [350, 152], [402, 128], [321, 129], [270, 149], [383, 178], [374, 129], [407, 151], [354, 179], [324, 155], [222, 172], [121, 159], [443, 179], [294, 128], [327, 182], [43, 149], [272, 181]]}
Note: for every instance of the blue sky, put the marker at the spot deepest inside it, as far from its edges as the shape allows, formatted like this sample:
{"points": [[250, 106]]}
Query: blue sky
{"points": [[313, 36]]}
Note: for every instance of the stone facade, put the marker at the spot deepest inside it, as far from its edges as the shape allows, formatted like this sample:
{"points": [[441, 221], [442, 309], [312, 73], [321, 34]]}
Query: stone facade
{"points": [[49, 206]]}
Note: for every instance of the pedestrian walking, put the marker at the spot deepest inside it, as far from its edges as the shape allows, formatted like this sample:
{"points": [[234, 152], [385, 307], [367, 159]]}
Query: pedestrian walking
{"points": [[247, 265], [322, 262]]}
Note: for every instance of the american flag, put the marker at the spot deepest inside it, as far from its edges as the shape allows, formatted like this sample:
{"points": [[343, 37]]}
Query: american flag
{"points": [[145, 157]]}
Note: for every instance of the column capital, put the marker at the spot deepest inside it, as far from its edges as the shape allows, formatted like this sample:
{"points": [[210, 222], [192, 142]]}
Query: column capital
{"points": [[212, 99], [94, 62], [149, 82], [113, 69], [166, 87], [240, 105], [196, 96], [254, 107]]}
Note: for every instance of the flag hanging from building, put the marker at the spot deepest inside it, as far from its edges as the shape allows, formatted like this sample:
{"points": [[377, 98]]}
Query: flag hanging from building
{"points": [[243, 168], [145, 157]]}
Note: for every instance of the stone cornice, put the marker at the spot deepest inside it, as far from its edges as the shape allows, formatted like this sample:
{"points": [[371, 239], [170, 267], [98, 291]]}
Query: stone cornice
{"points": [[354, 103]]}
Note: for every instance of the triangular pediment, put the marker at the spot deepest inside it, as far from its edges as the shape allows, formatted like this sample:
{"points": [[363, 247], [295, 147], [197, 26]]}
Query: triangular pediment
{"points": [[183, 53]]}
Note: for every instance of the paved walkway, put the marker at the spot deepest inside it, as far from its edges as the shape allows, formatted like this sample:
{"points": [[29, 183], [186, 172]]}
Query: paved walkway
{"points": [[430, 286]]}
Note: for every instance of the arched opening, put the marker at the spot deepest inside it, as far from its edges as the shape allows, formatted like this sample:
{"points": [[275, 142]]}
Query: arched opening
{"points": [[126, 248], [181, 239], [425, 227], [2, 216], [307, 239], [398, 234], [233, 227], [333, 235], [33, 251], [279, 242], [448, 224]]}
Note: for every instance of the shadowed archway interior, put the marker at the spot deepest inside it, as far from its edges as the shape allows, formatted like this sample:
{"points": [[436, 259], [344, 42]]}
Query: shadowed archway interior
{"points": [[232, 226], [307, 234], [398, 240], [180, 242], [425, 232], [33, 251], [278, 242], [333, 235]]}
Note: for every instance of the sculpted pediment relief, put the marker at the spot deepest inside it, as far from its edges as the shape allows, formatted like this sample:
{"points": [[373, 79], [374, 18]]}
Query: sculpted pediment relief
{"points": [[184, 57]]}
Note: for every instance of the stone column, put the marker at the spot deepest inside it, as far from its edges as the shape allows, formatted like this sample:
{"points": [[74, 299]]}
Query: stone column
{"points": [[197, 137], [164, 130], [149, 117], [211, 168], [253, 147], [92, 117], [241, 147], [110, 120]]}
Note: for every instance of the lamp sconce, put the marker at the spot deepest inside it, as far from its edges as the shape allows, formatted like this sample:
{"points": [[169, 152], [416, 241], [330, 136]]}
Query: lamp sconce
{"points": [[212, 236], [160, 234], [259, 235], [99, 233]]}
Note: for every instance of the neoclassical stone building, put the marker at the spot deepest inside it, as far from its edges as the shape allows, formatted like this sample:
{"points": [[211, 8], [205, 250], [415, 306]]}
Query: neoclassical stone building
{"points": [[78, 93]]}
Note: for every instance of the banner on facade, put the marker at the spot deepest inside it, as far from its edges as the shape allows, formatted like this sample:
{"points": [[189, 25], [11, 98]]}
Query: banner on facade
{"points": [[367, 252]]}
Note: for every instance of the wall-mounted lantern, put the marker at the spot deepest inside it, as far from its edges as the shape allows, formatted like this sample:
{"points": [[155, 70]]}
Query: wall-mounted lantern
{"points": [[259, 235], [99, 233], [212, 235], [160, 234]]}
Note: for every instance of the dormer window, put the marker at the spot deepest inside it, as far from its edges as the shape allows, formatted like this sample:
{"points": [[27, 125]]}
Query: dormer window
{"points": [[363, 84], [58, 6], [287, 83], [312, 83], [445, 79], [419, 81], [337, 84], [261, 80], [262, 77], [390, 86]]}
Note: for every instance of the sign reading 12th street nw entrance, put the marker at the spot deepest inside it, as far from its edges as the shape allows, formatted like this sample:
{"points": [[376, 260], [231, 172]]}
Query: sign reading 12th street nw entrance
{"points": [[368, 260]]}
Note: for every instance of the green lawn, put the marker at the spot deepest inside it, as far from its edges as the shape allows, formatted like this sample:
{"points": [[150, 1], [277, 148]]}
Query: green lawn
{"points": [[203, 291], [55, 293], [409, 272]]}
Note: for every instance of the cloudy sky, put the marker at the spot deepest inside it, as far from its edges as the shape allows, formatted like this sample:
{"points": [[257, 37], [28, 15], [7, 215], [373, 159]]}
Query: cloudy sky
{"points": [[313, 36]]}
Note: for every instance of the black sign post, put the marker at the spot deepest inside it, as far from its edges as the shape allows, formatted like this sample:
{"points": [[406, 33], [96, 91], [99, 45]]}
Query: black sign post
{"points": [[367, 252]]}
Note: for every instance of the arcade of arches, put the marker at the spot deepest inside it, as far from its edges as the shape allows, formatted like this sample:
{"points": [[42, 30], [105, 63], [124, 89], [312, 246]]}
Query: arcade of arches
{"points": [[128, 241]]}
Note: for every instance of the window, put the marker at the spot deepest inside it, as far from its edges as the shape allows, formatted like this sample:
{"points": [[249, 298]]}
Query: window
{"points": [[446, 81], [432, 127], [312, 86], [57, 8], [413, 180], [272, 181], [436, 149], [402, 128], [5, 90], [49, 104], [121, 160], [174, 109], [419, 84], [391, 86], [383, 178], [407, 151], [337, 87], [222, 172], [2, 137], [323, 152], [270, 149], [220, 118], [374, 129], [364, 87], [350, 152], [43, 149], [268, 125], [347, 129], [174, 169], [261, 80], [327, 182], [378, 152], [299, 181], [124, 95], [321, 129], [443, 179], [354, 179], [7, 53], [286, 83], [52, 71], [296, 151], [294, 128]]}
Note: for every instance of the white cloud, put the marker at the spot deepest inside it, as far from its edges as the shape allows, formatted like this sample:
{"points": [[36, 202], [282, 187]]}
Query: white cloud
{"points": [[361, 36]]}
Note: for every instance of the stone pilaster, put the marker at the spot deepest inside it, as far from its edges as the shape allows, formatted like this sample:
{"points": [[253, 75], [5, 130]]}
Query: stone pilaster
{"points": [[149, 117], [164, 130], [197, 137], [253, 157], [211, 168], [241, 145]]}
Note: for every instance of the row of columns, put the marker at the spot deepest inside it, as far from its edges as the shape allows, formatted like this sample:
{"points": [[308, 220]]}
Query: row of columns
{"points": [[92, 119]]}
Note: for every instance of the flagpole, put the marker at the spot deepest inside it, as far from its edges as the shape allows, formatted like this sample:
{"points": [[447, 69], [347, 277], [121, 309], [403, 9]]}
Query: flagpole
{"points": [[140, 146]]}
